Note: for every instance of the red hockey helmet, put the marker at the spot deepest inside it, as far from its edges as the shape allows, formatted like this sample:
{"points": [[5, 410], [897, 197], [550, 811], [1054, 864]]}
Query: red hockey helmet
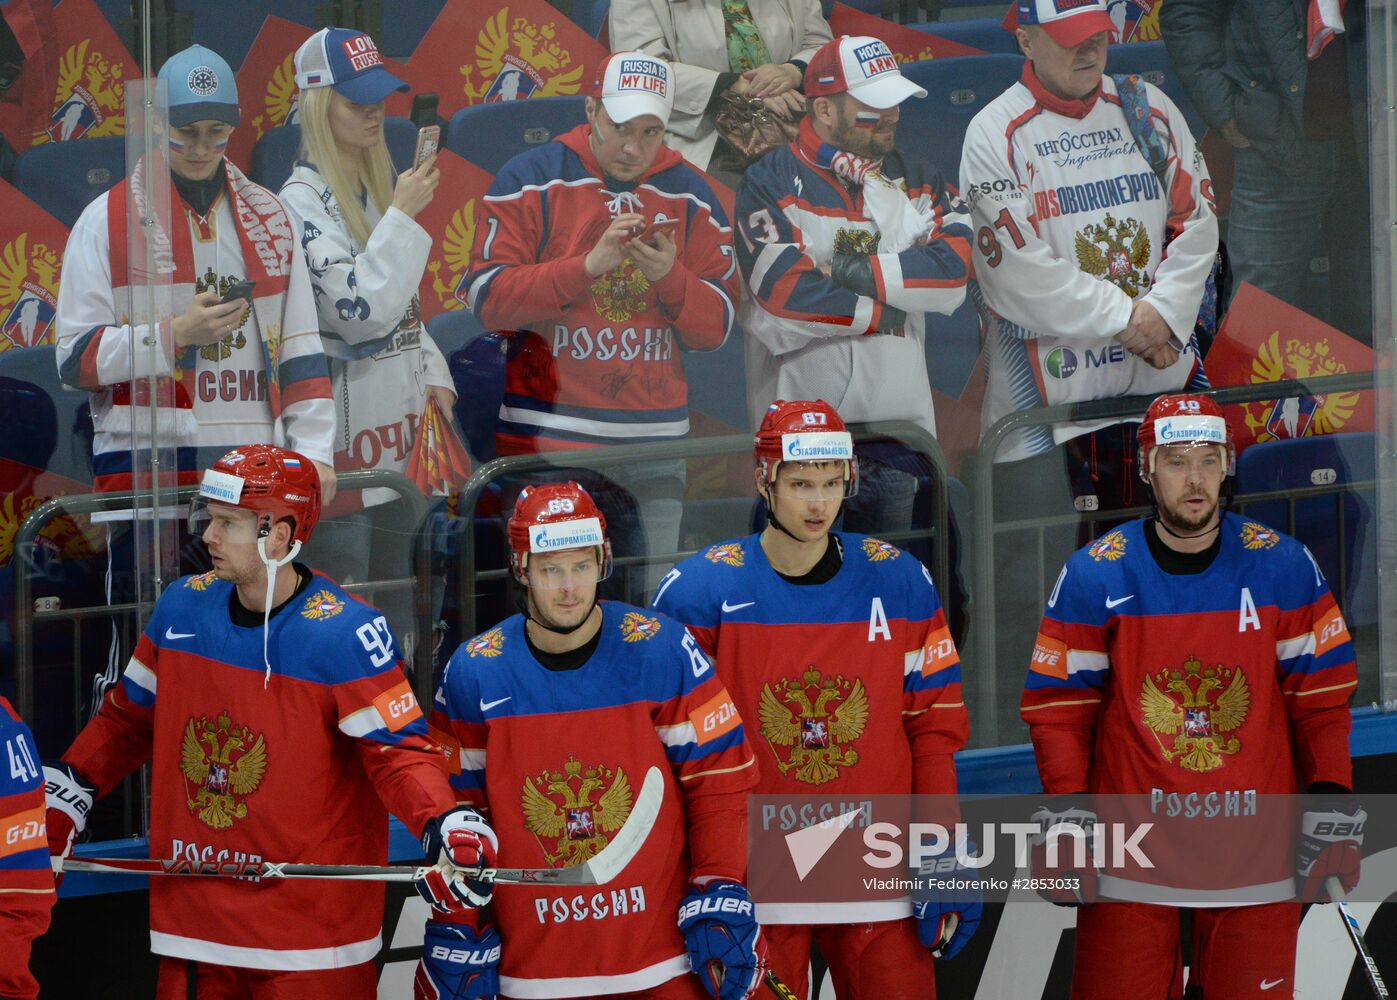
{"points": [[270, 481], [1186, 419], [555, 517], [802, 430]]}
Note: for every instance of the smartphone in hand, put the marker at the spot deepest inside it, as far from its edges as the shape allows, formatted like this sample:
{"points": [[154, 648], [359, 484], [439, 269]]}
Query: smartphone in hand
{"points": [[238, 290], [428, 139], [666, 226], [424, 110]]}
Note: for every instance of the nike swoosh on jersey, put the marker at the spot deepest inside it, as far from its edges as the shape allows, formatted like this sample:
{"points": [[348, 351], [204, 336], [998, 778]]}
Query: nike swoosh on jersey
{"points": [[485, 706], [172, 634], [1119, 600], [1267, 984], [729, 608]]}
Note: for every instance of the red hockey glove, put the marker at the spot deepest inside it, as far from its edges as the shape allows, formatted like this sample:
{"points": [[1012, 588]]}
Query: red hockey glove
{"points": [[1331, 834], [463, 845], [69, 800]]}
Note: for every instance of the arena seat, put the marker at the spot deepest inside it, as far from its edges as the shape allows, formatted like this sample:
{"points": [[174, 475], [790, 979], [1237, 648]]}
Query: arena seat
{"points": [[957, 89], [1151, 62], [986, 33], [512, 127], [590, 15], [717, 385], [231, 30], [405, 24], [1345, 550], [65, 449], [454, 330], [62, 177], [275, 153]]}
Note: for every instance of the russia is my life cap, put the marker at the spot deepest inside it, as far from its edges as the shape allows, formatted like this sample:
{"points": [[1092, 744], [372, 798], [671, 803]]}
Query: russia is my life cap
{"points": [[634, 84]]}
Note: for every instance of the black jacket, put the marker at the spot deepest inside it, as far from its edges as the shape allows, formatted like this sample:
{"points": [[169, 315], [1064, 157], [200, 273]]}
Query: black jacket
{"points": [[1244, 61]]}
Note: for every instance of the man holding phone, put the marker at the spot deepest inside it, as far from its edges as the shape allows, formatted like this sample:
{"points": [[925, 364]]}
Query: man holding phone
{"points": [[241, 361], [603, 255]]}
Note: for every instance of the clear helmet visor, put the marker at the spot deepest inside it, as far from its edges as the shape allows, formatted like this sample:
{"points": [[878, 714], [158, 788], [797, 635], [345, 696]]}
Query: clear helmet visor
{"points": [[235, 524], [566, 570], [1194, 459], [814, 481]]}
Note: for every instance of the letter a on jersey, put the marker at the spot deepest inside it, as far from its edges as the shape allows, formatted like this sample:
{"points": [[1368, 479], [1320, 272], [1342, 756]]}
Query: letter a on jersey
{"points": [[878, 621], [1247, 617]]}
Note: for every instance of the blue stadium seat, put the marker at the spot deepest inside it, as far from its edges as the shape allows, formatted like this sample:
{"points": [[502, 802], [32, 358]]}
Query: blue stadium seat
{"points": [[510, 128], [589, 15], [478, 370], [717, 386], [275, 153], [985, 33], [405, 23], [1151, 62], [115, 11], [230, 30], [454, 330], [35, 396], [62, 177], [957, 90], [1348, 558]]}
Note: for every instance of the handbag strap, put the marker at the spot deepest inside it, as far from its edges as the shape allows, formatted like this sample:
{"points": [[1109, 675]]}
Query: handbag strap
{"points": [[1135, 103]]}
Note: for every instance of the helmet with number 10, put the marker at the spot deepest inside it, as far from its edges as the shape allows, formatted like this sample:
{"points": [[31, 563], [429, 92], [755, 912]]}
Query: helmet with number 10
{"points": [[803, 431], [555, 517]]}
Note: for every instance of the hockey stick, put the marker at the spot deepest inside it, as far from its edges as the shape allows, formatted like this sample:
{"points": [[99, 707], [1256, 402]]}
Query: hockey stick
{"points": [[774, 984], [1355, 934], [599, 870]]}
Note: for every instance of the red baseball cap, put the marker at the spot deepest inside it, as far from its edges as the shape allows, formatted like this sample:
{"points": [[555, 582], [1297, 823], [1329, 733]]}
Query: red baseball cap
{"points": [[1067, 22], [861, 66]]}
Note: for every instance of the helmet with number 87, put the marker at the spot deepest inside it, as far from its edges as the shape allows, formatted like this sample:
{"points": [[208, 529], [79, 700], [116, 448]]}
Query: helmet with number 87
{"points": [[1184, 419], [803, 431], [555, 517]]}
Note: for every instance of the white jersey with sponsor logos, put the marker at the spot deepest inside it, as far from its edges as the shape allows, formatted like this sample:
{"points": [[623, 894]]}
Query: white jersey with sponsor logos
{"points": [[382, 360], [1072, 226]]}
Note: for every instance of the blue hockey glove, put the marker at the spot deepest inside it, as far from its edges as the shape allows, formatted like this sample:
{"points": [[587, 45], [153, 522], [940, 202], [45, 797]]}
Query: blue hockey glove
{"points": [[939, 898], [457, 963], [1063, 882], [1331, 834], [461, 844], [726, 948]]}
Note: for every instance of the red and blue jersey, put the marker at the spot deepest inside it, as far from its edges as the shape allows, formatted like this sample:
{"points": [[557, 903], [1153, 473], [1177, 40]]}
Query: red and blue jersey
{"points": [[295, 764], [596, 361], [554, 758], [1237, 678], [852, 686], [26, 880]]}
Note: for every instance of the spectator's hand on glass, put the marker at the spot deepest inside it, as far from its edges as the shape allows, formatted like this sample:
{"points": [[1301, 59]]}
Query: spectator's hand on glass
{"points": [[206, 320], [612, 248], [415, 187], [328, 482], [772, 79], [654, 258]]}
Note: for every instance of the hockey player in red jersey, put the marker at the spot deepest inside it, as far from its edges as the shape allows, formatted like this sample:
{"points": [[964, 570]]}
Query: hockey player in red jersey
{"points": [[26, 881], [280, 727], [801, 610], [1240, 616], [558, 714]]}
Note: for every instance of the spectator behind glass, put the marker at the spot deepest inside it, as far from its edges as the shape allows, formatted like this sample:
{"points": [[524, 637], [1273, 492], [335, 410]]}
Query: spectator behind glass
{"points": [[1289, 93], [366, 256], [847, 247], [229, 373], [751, 48], [598, 312]]}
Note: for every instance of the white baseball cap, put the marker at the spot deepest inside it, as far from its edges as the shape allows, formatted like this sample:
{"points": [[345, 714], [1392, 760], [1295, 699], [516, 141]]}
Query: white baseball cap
{"points": [[861, 66], [634, 84], [1067, 22]]}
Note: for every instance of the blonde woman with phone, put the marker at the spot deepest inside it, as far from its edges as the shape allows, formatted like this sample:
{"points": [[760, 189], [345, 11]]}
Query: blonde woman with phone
{"points": [[356, 224]]}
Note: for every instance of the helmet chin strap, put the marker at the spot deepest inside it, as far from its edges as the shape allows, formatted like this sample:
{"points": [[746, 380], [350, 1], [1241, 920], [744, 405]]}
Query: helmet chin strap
{"points": [[272, 566]]}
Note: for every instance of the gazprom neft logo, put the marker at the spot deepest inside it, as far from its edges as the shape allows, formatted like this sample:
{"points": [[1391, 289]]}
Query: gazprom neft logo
{"points": [[817, 446], [221, 486], [1195, 430], [875, 58], [642, 74], [565, 535]]}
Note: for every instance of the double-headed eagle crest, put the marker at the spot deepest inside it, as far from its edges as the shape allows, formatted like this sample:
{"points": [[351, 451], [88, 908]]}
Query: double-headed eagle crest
{"points": [[559, 810], [223, 763], [1199, 707], [813, 719], [1118, 250]]}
